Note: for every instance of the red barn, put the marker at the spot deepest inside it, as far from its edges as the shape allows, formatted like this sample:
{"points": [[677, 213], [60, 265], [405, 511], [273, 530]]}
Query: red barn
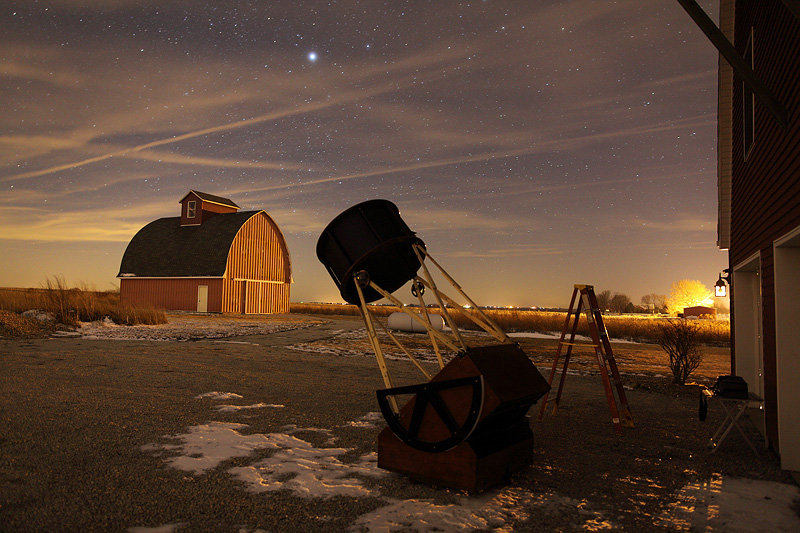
{"points": [[212, 258], [699, 310]]}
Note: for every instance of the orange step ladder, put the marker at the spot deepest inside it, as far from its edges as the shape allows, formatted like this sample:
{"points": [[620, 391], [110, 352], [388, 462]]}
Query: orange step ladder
{"points": [[587, 304]]}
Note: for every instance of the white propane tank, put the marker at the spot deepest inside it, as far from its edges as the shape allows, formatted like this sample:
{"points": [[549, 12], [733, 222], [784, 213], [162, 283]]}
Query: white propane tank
{"points": [[404, 322]]}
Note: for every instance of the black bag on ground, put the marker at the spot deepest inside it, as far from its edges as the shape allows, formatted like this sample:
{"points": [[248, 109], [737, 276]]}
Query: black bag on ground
{"points": [[731, 387]]}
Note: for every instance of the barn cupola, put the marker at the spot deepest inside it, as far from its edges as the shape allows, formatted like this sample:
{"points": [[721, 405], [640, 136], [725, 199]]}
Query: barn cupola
{"points": [[197, 207]]}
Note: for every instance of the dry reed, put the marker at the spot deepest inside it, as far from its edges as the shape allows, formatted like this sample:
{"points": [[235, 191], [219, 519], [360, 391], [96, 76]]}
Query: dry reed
{"points": [[71, 306]]}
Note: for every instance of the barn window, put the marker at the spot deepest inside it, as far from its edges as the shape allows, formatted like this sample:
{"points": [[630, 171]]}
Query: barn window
{"points": [[749, 117], [191, 209]]}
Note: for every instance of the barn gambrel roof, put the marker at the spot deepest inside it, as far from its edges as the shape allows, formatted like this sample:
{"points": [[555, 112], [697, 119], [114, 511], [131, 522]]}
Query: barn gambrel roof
{"points": [[165, 249]]}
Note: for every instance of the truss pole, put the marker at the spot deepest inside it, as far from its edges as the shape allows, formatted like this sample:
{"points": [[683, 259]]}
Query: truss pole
{"points": [[405, 351], [430, 283], [376, 345], [416, 317], [500, 333], [424, 308], [471, 316]]}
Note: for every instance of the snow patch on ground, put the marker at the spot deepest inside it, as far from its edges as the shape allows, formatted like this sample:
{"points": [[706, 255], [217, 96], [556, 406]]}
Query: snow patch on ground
{"points": [[42, 316], [206, 446], [296, 465], [369, 420], [214, 395], [193, 327], [236, 408], [494, 510], [307, 471], [734, 505]]}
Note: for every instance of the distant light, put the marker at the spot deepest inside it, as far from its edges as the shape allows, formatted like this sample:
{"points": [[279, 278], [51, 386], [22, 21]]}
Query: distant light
{"points": [[312, 56]]}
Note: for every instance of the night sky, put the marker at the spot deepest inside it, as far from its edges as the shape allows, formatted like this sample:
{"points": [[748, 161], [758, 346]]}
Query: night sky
{"points": [[531, 144]]}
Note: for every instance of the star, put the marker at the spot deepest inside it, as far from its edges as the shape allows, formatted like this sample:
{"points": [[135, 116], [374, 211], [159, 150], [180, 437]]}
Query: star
{"points": [[312, 56]]}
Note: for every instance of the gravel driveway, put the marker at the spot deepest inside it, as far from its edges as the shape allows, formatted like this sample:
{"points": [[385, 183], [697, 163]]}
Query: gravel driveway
{"points": [[257, 432]]}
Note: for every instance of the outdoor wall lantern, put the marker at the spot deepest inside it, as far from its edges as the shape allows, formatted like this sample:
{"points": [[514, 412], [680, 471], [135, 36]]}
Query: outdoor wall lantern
{"points": [[721, 288]]}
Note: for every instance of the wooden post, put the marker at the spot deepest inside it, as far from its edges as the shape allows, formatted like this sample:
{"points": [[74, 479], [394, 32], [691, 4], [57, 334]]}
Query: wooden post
{"points": [[739, 65]]}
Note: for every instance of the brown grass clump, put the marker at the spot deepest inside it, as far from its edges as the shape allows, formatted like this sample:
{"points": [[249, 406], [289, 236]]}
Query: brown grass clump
{"points": [[15, 326], [70, 306]]}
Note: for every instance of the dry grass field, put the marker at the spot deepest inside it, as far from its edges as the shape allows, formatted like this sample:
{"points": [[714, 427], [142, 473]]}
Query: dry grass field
{"points": [[638, 328], [71, 305], [636, 361]]}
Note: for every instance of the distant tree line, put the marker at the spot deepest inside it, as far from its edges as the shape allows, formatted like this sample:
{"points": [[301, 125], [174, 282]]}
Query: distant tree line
{"points": [[616, 302], [684, 293]]}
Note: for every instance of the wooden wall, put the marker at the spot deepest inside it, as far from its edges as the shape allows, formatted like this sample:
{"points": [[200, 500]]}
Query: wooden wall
{"points": [[178, 294], [259, 272], [259, 252], [766, 187]]}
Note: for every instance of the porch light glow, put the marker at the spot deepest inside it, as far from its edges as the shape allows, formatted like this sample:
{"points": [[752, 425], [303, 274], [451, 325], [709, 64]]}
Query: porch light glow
{"points": [[721, 288]]}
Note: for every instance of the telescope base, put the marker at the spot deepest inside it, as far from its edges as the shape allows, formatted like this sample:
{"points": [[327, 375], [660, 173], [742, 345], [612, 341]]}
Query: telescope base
{"points": [[473, 465]]}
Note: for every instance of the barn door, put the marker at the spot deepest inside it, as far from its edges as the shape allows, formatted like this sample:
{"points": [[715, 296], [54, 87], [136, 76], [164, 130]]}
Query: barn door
{"points": [[202, 298]]}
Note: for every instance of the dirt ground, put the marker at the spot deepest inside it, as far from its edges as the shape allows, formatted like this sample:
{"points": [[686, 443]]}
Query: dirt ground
{"points": [[80, 416]]}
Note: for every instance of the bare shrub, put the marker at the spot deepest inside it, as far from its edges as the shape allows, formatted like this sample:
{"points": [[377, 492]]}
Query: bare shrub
{"points": [[679, 338]]}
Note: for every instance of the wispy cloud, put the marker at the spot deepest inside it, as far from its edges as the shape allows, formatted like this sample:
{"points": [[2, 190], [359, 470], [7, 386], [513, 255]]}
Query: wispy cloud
{"points": [[510, 252], [40, 225], [488, 123], [685, 223]]}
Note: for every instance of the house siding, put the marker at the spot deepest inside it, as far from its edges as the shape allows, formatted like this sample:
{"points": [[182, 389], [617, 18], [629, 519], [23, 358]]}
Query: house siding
{"points": [[724, 130], [765, 188]]}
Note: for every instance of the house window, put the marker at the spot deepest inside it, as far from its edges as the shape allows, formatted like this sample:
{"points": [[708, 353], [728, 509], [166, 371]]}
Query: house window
{"points": [[191, 209], [749, 102]]}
